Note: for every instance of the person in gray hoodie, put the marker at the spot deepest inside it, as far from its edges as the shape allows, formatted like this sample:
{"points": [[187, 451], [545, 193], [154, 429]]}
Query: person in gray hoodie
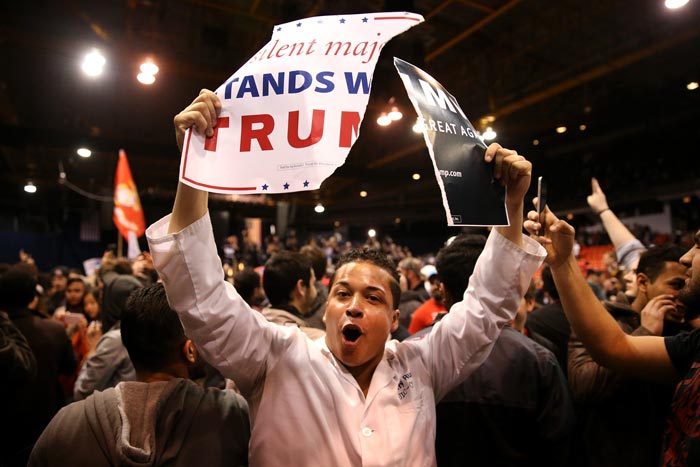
{"points": [[163, 417]]}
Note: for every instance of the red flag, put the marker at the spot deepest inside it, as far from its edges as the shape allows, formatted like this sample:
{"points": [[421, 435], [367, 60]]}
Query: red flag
{"points": [[128, 214]]}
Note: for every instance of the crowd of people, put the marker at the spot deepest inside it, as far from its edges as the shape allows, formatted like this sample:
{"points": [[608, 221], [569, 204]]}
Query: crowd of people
{"points": [[339, 356]]}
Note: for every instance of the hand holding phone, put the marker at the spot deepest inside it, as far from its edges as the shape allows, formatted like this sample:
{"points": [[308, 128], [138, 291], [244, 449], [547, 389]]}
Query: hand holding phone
{"points": [[541, 200]]}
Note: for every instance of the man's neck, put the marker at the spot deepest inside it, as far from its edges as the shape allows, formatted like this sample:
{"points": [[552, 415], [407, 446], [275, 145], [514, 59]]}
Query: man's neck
{"points": [[166, 374], [363, 373], [639, 303]]}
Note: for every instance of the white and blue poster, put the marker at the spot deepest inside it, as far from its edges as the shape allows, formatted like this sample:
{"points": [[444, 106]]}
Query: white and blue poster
{"points": [[291, 114]]}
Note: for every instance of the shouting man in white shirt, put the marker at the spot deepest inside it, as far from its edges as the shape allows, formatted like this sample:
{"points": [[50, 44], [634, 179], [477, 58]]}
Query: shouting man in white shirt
{"points": [[354, 397]]}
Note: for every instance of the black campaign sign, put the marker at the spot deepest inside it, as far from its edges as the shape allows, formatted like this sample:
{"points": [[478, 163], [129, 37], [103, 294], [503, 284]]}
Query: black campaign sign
{"points": [[470, 194]]}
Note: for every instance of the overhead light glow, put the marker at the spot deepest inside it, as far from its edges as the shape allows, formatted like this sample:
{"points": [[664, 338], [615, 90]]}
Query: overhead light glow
{"points": [[535, 142], [418, 127], [397, 220], [93, 63], [371, 233], [383, 120], [686, 199], [570, 216], [363, 194], [84, 152], [561, 129], [395, 114], [30, 187], [416, 176], [145, 78], [336, 224], [319, 208], [674, 4], [582, 127], [489, 134], [692, 86], [149, 67]]}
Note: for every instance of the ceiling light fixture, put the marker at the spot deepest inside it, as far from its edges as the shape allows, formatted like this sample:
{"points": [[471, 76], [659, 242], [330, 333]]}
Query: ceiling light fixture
{"points": [[535, 142], [489, 134], [415, 176], [145, 78], [561, 129], [395, 114], [675, 4], [418, 127], [319, 208], [384, 119], [692, 86], [30, 187], [149, 67], [371, 233], [93, 63], [582, 127], [363, 194], [84, 152]]}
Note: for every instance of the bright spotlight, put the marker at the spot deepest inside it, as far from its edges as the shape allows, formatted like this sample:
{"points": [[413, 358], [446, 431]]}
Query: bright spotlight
{"points": [[371, 233], [149, 68], [489, 134], [93, 63], [363, 194], [674, 4], [418, 127], [145, 78], [395, 114], [561, 129], [692, 86], [84, 152], [30, 187], [384, 120], [319, 208], [415, 176]]}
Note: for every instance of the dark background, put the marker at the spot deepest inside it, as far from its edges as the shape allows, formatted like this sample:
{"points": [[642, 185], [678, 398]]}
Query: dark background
{"points": [[620, 67]]}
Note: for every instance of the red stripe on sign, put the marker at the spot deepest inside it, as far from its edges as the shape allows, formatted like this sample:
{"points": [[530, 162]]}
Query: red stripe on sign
{"points": [[228, 188], [397, 17]]}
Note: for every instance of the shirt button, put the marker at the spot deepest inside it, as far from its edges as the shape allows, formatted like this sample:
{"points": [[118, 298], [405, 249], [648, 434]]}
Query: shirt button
{"points": [[366, 432]]}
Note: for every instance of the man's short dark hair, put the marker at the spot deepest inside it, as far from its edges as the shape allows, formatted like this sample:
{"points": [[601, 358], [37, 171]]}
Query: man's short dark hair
{"points": [[245, 282], [317, 259], [653, 261], [282, 271], [377, 258], [455, 263], [17, 288], [151, 330]]}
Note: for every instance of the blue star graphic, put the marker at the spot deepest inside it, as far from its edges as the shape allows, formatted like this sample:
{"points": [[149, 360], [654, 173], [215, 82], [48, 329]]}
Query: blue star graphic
{"points": [[306, 183], [298, 25], [365, 19], [286, 186], [265, 187], [279, 29], [342, 20]]}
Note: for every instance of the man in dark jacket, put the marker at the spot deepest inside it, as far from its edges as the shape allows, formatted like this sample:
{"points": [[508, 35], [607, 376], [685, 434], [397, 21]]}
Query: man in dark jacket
{"points": [[515, 409], [163, 418], [34, 400]]}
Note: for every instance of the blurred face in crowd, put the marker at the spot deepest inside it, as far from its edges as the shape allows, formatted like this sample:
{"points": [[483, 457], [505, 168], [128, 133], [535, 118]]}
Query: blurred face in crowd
{"points": [[436, 289], [311, 293], [360, 314], [90, 306], [690, 293], [670, 281], [75, 292], [58, 282], [630, 279]]}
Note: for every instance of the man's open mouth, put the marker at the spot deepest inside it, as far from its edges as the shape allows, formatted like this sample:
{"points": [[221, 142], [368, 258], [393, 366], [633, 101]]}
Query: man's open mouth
{"points": [[351, 332]]}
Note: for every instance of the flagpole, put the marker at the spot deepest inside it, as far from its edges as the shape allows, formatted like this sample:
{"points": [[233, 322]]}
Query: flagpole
{"points": [[120, 245]]}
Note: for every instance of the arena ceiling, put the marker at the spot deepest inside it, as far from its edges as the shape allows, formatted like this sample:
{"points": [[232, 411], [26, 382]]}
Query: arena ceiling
{"points": [[618, 67]]}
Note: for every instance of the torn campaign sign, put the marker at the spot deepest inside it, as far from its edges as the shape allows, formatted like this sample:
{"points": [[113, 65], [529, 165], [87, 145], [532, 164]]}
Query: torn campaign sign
{"points": [[291, 114], [470, 194]]}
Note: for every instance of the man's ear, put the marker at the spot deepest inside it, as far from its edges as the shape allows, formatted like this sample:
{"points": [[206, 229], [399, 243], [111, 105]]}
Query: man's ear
{"points": [[642, 282], [189, 351], [300, 289], [395, 320]]}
